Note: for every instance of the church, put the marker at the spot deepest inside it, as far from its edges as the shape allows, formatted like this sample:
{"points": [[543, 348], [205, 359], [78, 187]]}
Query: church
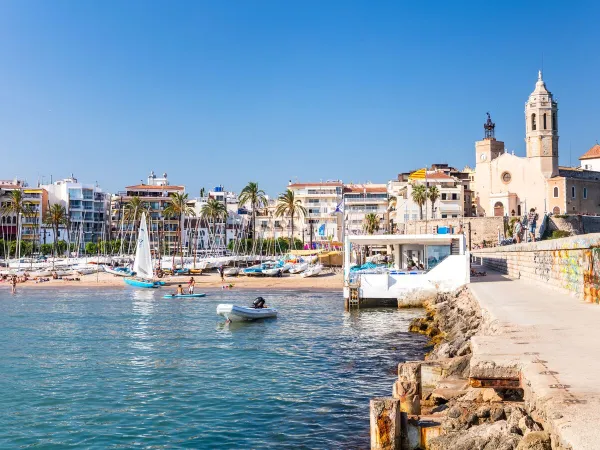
{"points": [[508, 185]]}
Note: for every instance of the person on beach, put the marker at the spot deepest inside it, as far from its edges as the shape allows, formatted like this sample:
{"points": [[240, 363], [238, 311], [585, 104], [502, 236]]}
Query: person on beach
{"points": [[179, 290], [222, 273], [191, 285], [13, 284], [532, 223]]}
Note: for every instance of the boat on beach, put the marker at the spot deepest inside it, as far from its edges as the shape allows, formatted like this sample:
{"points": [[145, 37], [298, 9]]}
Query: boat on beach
{"points": [[235, 313], [312, 271], [119, 271], [298, 268]]}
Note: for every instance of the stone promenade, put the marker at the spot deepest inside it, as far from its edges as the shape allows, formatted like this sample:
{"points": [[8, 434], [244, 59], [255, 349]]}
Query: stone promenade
{"points": [[551, 337]]}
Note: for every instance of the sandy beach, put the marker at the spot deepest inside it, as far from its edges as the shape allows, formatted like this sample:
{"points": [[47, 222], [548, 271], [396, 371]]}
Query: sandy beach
{"points": [[326, 281]]}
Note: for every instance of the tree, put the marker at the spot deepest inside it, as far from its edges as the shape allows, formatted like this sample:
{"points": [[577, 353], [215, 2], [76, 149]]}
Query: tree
{"points": [[46, 249], [18, 206], [419, 196], [91, 248], [433, 193], [288, 204], [133, 212], [212, 211], [55, 217], [178, 207], [256, 198], [371, 223]]}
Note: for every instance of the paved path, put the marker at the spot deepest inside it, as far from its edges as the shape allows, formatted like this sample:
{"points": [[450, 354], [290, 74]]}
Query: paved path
{"points": [[555, 339]]}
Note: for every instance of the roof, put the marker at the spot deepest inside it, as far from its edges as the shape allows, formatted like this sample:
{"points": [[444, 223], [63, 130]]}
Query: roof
{"points": [[430, 175], [10, 186], [323, 184], [155, 188], [360, 188], [592, 153]]}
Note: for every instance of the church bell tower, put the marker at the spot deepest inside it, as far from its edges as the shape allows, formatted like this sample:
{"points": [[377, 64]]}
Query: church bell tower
{"points": [[541, 129]]}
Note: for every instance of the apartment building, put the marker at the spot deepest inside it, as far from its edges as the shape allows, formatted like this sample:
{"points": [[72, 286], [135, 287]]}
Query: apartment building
{"points": [[363, 199], [449, 204], [323, 219], [31, 223], [155, 195], [87, 207]]}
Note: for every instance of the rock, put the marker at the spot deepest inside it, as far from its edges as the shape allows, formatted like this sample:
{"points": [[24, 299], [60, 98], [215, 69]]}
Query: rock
{"points": [[527, 425], [472, 419], [455, 412], [496, 414], [490, 395], [536, 440], [484, 437], [483, 412]]}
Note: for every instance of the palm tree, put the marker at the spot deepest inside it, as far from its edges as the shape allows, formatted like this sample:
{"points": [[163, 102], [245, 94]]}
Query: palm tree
{"points": [[419, 196], [133, 213], [178, 207], [55, 217], [18, 206], [288, 204], [371, 223], [257, 199], [433, 193], [213, 210]]}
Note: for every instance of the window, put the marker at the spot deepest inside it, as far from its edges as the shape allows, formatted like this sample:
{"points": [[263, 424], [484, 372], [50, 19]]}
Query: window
{"points": [[554, 122], [572, 191], [555, 191], [584, 192], [533, 124], [454, 196], [506, 177], [556, 210], [444, 216], [444, 195], [544, 121]]}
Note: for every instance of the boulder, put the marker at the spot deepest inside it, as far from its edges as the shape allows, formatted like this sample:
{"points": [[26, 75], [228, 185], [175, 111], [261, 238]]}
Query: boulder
{"points": [[536, 440]]}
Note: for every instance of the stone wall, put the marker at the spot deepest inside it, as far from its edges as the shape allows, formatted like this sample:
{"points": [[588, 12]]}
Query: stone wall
{"points": [[574, 224], [481, 228], [570, 264]]}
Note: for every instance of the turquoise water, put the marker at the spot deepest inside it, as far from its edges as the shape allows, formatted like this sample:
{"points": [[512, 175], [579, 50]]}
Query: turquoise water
{"points": [[124, 368]]}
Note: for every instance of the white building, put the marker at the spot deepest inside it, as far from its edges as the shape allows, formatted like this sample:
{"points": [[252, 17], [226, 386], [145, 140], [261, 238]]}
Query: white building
{"points": [[322, 222], [87, 207], [363, 199], [449, 204]]}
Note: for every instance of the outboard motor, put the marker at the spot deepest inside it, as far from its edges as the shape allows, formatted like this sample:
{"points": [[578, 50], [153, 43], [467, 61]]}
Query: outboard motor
{"points": [[258, 303]]}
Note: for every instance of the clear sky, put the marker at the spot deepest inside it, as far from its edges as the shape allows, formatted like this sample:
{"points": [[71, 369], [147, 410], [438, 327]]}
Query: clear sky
{"points": [[226, 92]]}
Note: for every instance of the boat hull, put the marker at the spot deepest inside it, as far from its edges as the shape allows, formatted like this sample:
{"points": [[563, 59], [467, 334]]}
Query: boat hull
{"points": [[185, 296], [236, 313], [119, 273], [142, 283]]}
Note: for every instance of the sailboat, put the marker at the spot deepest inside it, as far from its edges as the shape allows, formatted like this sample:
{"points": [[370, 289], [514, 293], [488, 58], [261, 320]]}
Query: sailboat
{"points": [[142, 266]]}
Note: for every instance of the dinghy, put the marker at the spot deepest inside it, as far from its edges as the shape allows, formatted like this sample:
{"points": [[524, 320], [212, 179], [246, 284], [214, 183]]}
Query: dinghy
{"points": [[119, 271], [312, 271], [236, 313], [142, 266], [231, 271], [300, 267], [184, 295]]}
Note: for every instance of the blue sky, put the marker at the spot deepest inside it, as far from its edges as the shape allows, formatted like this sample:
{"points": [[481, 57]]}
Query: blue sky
{"points": [[226, 92]]}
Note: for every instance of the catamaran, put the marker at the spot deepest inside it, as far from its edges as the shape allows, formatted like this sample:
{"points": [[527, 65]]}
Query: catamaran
{"points": [[142, 266]]}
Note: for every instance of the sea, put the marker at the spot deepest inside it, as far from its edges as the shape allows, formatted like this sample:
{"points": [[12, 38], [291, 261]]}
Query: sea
{"points": [[126, 368]]}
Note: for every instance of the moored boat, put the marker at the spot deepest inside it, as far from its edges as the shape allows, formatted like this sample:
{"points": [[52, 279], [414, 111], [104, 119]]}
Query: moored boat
{"points": [[185, 295], [235, 313], [142, 266], [119, 271]]}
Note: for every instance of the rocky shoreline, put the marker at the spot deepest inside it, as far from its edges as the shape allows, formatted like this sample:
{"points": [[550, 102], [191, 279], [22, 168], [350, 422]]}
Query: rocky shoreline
{"points": [[444, 407]]}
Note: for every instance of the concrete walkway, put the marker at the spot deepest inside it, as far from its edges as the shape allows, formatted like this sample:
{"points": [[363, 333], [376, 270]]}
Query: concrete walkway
{"points": [[552, 338]]}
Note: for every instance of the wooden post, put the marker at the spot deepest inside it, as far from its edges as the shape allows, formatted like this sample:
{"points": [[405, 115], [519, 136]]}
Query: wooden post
{"points": [[385, 423]]}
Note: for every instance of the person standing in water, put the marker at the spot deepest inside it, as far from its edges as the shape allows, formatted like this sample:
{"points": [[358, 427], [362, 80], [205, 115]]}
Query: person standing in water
{"points": [[13, 283], [191, 285]]}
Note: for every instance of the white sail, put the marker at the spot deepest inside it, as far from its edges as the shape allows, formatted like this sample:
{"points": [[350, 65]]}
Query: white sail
{"points": [[142, 266]]}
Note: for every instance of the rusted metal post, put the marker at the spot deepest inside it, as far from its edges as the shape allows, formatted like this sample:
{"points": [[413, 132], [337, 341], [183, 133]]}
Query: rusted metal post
{"points": [[385, 423]]}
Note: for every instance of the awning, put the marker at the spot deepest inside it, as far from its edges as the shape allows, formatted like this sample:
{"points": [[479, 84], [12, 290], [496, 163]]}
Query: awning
{"points": [[307, 252]]}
